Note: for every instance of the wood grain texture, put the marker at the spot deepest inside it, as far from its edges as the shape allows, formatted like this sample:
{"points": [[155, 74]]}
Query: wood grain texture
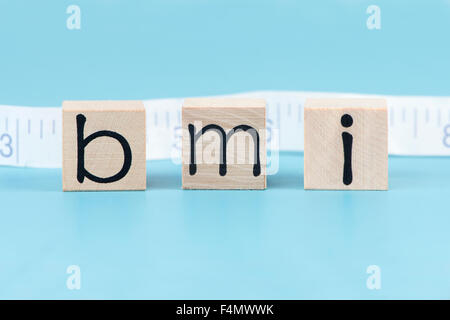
{"points": [[240, 148], [324, 146], [104, 155]]}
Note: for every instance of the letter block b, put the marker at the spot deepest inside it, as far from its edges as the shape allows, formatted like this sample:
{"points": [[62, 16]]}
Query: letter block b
{"points": [[224, 143], [104, 145]]}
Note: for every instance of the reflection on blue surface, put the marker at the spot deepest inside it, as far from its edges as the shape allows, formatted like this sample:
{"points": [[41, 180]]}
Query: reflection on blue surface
{"points": [[281, 243]]}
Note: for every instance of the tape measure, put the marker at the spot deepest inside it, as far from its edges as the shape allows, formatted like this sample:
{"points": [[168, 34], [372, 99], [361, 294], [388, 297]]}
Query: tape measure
{"points": [[32, 137]]}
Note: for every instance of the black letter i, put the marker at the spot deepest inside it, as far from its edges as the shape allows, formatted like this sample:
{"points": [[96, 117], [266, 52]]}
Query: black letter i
{"points": [[347, 140]]}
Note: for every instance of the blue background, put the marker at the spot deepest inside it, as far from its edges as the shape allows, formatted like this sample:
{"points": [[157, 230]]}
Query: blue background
{"points": [[167, 243], [177, 48]]}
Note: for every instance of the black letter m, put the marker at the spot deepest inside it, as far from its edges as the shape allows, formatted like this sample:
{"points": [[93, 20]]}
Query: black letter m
{"points": [[223, 146]]}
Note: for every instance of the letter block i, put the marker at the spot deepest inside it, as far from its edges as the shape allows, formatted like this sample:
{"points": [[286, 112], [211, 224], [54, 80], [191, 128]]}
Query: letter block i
{"points": [[346, 144], [224, 143], [104, 145]]}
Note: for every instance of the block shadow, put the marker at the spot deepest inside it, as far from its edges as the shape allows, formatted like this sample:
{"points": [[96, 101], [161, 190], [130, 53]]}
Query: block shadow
{"points": [[285, 180], [163, 180]]}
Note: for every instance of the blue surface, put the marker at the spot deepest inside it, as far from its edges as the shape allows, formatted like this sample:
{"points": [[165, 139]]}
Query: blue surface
{"points": [[281, 243], [167, 243]]}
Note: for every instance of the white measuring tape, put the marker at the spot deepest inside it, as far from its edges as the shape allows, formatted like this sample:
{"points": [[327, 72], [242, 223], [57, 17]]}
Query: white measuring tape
{"points": [[32, 137]]}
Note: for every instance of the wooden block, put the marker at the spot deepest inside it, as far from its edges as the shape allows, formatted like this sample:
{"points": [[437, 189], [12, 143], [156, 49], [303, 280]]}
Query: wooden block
{"points": [[224, 144], [346, 144], [103, 145]]}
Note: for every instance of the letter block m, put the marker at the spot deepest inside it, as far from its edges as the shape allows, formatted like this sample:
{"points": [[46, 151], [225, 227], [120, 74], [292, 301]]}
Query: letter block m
{"points": [[224, 145]]}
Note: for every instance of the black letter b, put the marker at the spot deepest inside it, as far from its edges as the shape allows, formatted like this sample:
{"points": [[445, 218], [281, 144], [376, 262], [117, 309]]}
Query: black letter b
{"points": [[83, 142]]}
